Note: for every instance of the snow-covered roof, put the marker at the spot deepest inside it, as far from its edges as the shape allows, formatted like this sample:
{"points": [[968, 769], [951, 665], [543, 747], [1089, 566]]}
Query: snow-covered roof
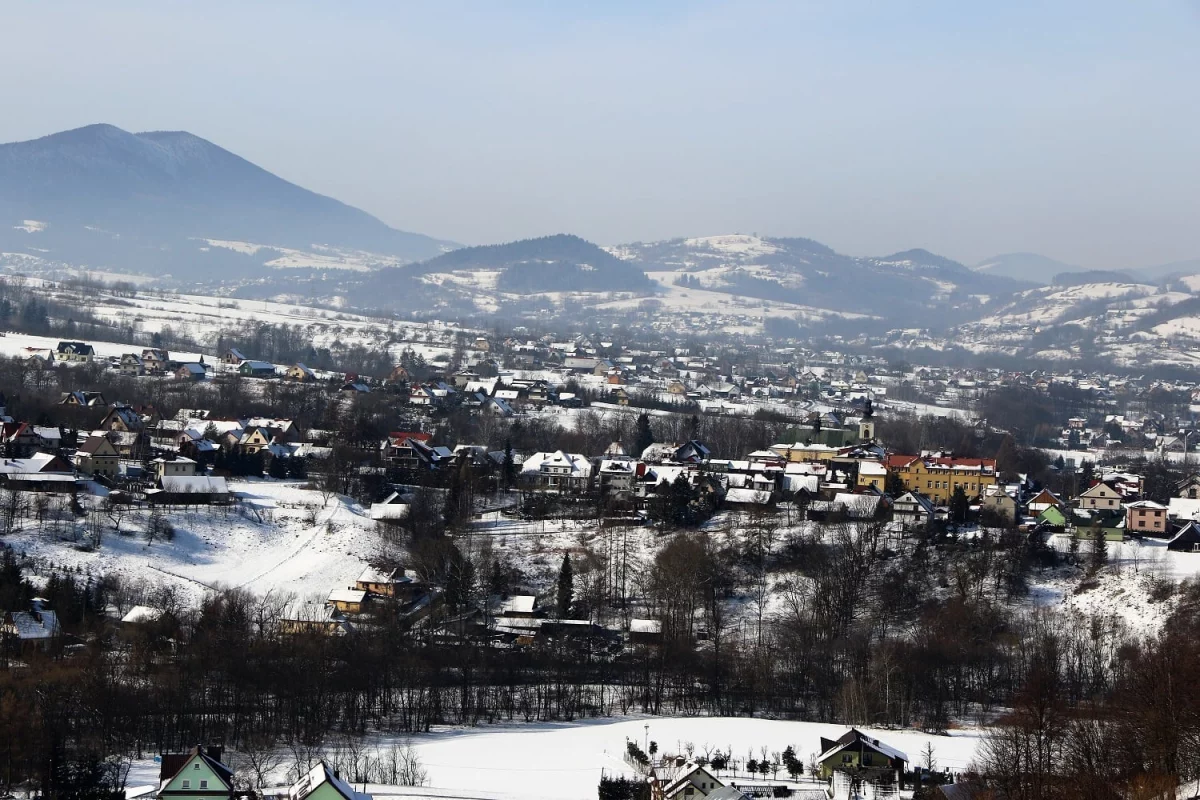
{"points": [[317, 777], [516, 604], [645, 626], [389, 511], [194, 484], [577, 464], [748, 496], [139, 614], [33, 625], [1183, 508], [873, 468], [347, 596]]}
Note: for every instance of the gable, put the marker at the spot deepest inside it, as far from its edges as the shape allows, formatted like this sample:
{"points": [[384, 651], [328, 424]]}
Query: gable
{"points": [[194, 772]]}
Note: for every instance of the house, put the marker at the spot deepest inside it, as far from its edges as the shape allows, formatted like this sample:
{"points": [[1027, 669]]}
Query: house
{"points": [[645, 631], [195, 775], [864, 506], [1086, 521], [190, 372], [89, 399], [865, 757], [1041, 501], [913, 510], [156, 360], [1000, 503], [872, 474], [1146, 518], [36, 628], [305, 617], [74, 352], [392, 508], [190, 490], [399, 449], [172, 467], [19, 439], [301, 374], [233, 357], [121, 417], [616, 474], [322, 783], [392, 583], [1101, 495], [557, 470], [1187, 540], [142, 615], [348, 601], [97, 456], [256, 369], [132, 365], [694, 781], [749, 498], [254, 440], [399, 375], [355, 387]]}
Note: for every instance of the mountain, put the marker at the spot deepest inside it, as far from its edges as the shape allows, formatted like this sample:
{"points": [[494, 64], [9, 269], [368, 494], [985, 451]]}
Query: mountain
{"points": [[1170, 271], [904, 286], [1031, 267], [100, 194], [507, 275]]}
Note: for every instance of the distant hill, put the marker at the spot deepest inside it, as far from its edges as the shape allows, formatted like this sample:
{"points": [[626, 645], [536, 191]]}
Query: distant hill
{"points": [[1163, 272], [502, 274], [902, 287], [99, 195], [1091, 276], [1031, 267]]}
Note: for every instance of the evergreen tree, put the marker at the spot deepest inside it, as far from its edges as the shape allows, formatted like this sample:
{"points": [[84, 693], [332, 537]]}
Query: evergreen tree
{"points": [[959, 506], [643, 437], [566, 587], [509, 468], [1006, 457], [1099, 547]]}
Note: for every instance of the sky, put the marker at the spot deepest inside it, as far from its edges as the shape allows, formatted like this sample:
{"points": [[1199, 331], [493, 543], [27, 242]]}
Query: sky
{"points": [[1070, 129]]}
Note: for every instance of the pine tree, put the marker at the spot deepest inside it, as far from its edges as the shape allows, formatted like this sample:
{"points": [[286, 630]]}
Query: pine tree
{"points": [[1006, 457], [1099, 547], [643, 437], [959, 506], [509, 468], [566, 587]]}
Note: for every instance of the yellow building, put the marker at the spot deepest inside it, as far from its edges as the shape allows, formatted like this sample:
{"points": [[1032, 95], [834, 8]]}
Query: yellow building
{"points": [[937, 477], [872, 475], [806, 452]]}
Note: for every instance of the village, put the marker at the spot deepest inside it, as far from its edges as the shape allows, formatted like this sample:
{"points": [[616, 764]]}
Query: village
{"points": [[533, 497]]}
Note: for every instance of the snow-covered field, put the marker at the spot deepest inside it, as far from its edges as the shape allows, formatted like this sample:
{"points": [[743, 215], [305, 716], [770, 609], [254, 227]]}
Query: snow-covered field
{"points": [[1125, 589], [283, 538], [564, 761]]}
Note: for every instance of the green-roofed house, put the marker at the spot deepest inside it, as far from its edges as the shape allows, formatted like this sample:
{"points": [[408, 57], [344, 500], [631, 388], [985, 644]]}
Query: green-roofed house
{"points": [[1086, 520], [1053, 517], [195, 775]]}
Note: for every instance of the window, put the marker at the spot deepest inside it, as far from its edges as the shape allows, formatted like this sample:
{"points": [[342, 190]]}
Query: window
{"points": [[187, 784], [203, 784], [196, 765], [847, 758]]}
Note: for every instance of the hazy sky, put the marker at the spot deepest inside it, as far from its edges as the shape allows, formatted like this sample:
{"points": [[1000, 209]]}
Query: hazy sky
{"points": [[969, 127]]}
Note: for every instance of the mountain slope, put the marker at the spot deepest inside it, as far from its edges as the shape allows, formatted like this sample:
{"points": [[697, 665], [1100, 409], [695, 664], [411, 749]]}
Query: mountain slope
{"points": [[156, 191], [492, 276], [904, 286]]}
